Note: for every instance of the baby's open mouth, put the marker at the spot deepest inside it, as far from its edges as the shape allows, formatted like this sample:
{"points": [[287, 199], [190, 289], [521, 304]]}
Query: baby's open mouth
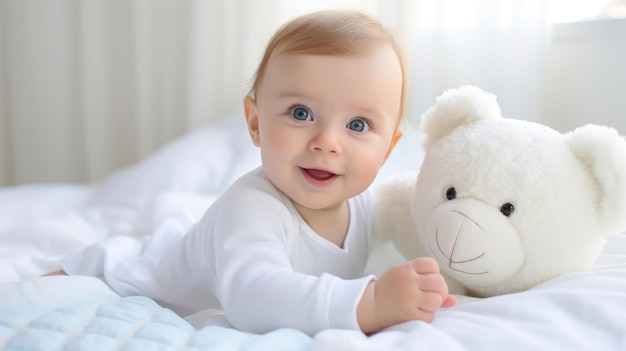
{"points": [[319, 174]]}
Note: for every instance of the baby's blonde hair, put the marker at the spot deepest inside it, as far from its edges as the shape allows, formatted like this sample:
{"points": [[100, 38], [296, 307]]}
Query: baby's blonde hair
{"points": [[332, 33]]}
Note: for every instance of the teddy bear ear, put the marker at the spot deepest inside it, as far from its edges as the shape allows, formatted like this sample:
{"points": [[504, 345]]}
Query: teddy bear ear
{"points": [[602, 151], [455, 107]]}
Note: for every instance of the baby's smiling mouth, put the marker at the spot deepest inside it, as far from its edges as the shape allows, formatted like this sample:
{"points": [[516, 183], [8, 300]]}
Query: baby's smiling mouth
{"points": [[319, 174]]}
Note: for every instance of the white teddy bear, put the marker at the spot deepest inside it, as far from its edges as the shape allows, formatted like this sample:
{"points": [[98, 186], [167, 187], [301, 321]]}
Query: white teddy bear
{"points": [[504, 204]]}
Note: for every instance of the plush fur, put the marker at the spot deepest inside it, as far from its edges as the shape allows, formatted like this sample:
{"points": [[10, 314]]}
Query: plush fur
{"points": [[504, 204]]}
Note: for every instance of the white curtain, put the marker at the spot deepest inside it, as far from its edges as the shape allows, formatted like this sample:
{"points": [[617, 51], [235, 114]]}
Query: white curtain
{"points": [[89, 86], [497, 45]]}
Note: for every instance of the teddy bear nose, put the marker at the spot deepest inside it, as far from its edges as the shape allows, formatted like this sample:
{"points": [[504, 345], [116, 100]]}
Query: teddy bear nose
{"points": [[467, 217], [456, 236]]}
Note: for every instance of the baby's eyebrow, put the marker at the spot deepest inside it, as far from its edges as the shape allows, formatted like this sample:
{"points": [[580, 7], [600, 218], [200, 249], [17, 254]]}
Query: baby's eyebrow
{"points": [[370, 112], [290, 94]]}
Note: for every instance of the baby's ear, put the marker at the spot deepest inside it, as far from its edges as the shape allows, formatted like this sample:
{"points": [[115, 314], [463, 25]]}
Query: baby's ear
{"points": [[454, 108], [252, 119], [602, 152], [394, 141]]}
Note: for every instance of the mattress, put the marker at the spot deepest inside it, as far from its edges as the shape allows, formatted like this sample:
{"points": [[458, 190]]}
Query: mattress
{"points": [[41, 223]]}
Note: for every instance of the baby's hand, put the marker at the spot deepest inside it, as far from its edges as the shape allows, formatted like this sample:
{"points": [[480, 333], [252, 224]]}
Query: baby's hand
{"points": [[412, 290]]}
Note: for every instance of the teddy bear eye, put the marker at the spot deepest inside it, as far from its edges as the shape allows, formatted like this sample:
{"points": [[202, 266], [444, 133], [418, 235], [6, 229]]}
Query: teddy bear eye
{"points": [[451, 193], [507, 209]]}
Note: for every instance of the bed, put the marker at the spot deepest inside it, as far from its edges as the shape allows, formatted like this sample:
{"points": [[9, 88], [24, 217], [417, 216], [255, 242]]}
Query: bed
{"points": [[40, 223]]}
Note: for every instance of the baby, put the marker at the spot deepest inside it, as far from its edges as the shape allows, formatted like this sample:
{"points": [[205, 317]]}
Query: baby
{"points": [[286, 244]]}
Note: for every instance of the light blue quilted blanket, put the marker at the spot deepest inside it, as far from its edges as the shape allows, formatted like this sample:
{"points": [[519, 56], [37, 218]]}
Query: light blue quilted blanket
{"points": [[82, 313]]}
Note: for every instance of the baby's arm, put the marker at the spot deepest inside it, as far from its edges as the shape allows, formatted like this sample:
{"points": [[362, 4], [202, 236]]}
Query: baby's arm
{"points": [[409, 291]]}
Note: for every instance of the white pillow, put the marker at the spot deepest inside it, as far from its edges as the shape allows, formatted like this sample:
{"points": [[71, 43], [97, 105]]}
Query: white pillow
{"points": [[203, 161]]}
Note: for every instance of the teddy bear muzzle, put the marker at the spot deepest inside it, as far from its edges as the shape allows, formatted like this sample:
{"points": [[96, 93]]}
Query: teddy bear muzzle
{"points": [[473, 242]]}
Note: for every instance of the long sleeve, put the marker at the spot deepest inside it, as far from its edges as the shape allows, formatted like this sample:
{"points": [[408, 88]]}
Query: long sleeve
{"points": [[251, 255], [265, 279]]}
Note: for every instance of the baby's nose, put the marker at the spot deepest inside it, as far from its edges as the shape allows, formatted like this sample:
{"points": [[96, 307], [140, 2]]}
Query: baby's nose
{"points": [[326, 140]]}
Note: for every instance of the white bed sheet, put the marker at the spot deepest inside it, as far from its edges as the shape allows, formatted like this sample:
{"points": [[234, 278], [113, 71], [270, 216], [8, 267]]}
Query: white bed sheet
{"points": [[42, 223]]}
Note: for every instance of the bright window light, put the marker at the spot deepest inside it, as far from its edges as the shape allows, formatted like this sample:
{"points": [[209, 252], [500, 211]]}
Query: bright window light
{"points": [[559, 11], [459, 14]]}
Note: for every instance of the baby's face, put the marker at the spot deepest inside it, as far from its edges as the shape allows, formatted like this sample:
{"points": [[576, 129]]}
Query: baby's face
{"points": [[326, 124]]}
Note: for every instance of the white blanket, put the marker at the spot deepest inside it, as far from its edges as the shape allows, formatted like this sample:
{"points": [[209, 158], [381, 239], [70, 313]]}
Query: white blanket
{"points": [[42, 223]]}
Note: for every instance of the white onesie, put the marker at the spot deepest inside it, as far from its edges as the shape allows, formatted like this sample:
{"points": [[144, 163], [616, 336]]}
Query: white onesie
{"points": [[251, 255]]}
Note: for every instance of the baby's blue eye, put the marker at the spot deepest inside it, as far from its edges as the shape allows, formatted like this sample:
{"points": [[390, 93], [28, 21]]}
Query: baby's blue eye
{"points": [[358, 125], [301, 114]]}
